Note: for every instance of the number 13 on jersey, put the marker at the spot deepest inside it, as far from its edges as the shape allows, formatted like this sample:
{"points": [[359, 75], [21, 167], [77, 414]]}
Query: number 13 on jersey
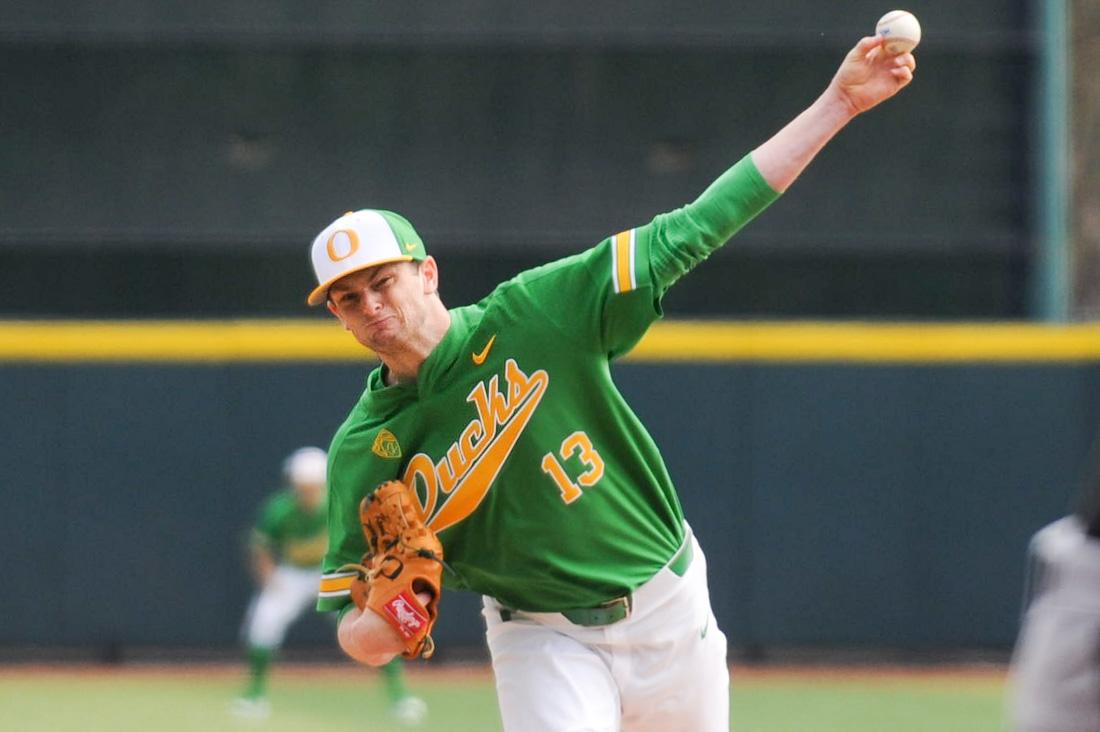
{"points": [[576, 443]]}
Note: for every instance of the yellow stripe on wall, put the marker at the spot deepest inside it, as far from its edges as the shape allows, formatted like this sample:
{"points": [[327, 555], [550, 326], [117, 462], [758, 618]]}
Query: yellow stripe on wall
{"points": [[869, 342], [179, 341], [325, 341]]}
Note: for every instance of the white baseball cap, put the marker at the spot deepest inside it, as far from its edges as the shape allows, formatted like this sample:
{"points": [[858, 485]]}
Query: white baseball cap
{"points": [[358, 240], [306, 466]]}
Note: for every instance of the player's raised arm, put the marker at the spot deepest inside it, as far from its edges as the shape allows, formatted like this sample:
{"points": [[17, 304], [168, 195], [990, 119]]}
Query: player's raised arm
{"points": [[867, 76], [683, 238]]}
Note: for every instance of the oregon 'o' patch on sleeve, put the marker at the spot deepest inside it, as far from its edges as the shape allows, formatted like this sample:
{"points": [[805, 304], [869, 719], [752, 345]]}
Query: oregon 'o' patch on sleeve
{"points": [[623, 262]]}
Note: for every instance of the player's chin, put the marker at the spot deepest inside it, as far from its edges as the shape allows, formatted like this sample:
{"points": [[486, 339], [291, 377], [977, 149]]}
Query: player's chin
{"points": [[383, 337]]}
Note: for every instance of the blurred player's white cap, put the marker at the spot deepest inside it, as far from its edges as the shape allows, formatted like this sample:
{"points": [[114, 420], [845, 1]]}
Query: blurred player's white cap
{"points": [[306, 466], [358, 240]]}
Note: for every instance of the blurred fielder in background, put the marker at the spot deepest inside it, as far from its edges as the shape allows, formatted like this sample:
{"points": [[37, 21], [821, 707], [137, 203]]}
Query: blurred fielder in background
{"points": [[1055, 679], [548, 495], [286, 547]]}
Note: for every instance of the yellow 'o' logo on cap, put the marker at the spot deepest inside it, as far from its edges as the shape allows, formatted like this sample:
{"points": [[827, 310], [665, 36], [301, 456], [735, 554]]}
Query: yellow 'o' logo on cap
{"points": [[342, 244]]}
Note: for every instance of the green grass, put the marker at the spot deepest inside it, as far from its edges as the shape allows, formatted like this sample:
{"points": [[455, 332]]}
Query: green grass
{"points": [[352, 699], [853, 706]]}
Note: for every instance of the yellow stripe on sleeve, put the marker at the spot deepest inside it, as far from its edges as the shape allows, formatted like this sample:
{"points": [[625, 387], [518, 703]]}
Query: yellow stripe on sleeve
{"points": [[624, 251], [336, 583]]}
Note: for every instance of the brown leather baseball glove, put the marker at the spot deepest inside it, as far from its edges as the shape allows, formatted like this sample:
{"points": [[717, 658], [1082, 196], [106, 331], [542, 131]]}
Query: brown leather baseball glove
{"points": [[404, 557]]}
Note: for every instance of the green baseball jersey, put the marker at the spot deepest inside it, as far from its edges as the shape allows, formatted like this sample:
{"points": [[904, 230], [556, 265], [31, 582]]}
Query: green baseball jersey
{"points": [[294, 535], [543, 486]]}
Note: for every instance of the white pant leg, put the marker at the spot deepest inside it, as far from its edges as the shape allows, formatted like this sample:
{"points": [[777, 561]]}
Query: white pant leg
{"points": [[662, 669], [547, 681], [287, 594], [1055, 676], [675, 675]]}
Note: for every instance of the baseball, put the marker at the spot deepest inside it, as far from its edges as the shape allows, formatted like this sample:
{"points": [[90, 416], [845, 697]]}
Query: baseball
{"points": [[901, 30]]}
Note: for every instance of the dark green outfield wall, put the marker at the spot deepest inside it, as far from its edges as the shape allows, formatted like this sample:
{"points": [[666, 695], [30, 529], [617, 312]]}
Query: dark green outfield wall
{"points": [[175, 159], [839, 505]]}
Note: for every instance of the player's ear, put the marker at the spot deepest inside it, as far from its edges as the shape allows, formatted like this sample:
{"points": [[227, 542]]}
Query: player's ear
{"points": [[332, 309], [429, 275]]}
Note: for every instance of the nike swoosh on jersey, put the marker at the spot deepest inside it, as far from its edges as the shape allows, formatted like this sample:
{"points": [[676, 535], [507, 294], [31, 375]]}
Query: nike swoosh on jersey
{"points": [[479, 358]]}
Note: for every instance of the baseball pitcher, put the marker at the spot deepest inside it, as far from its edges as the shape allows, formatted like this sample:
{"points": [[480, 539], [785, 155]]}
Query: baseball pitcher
{"points": [[491, 451]]}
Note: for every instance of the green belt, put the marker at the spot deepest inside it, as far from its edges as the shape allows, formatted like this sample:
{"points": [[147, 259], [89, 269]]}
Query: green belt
{"points": [[682, 559], [618, 609]]}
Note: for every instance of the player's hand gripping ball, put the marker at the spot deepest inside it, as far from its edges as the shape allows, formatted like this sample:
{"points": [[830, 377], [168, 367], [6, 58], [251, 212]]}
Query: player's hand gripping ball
{"points": [[901, 29], [404, 558]]}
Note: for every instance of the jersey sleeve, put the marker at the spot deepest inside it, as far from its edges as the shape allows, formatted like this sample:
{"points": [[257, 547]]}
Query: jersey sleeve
{"points": [[607, 297], [601, 300], [346, 545], [683, 238]]}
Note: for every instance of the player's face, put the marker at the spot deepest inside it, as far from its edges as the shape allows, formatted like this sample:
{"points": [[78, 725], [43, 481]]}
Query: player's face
{"points": [[384, 307]]}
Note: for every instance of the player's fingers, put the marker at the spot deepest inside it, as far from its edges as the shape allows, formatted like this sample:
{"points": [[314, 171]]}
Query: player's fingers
{"points": [[865, 48], [904, 75], [906, 59], [867, 43]]}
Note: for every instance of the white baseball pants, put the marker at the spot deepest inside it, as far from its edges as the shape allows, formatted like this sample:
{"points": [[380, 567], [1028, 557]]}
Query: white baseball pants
{"points": [[285, 597], [661, 669]]}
